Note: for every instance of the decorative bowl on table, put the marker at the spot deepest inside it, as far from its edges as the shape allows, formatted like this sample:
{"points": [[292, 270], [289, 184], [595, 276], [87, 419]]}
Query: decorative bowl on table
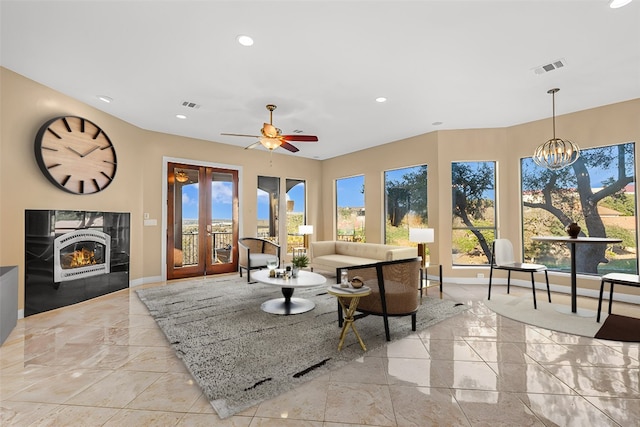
{"points": [[357, 282]]}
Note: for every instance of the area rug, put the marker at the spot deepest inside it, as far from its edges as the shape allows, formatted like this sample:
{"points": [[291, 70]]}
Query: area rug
{"points": [[241, 356], [611, 327]]}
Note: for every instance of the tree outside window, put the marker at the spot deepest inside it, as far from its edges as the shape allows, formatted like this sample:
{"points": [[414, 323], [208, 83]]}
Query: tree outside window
{"points": [[405, 202], [597, 192], [474, 212]]}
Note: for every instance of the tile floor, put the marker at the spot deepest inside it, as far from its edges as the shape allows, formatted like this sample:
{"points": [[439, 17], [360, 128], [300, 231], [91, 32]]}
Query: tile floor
{"points": [[104, 362]]}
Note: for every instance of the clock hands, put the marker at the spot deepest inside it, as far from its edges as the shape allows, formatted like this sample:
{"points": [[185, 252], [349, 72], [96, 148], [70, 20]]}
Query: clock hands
{"points": [[79, 154], [94, 148]]}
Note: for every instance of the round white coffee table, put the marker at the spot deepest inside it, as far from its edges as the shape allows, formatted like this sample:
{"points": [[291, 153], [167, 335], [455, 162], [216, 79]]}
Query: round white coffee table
{"points": [[289, 304]]}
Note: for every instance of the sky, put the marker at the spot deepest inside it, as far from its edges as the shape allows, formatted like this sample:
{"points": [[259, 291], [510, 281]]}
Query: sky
{"points": [[222, 200]]}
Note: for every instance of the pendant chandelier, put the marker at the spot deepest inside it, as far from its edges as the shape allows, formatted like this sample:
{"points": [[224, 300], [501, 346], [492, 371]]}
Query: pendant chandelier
{"points": [[556, 153]]}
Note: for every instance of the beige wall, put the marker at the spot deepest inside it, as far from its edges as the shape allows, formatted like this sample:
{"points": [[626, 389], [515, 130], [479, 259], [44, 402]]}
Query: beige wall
{"points": [[138, 187], [611, 124]]}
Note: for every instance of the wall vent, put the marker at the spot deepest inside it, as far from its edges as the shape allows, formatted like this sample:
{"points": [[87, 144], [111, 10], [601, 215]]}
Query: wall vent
{"points": [[559, 63], [189, 104]]}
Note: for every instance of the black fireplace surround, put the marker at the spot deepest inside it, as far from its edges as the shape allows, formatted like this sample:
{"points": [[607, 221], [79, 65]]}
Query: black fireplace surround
{"points": [[73, 256]]}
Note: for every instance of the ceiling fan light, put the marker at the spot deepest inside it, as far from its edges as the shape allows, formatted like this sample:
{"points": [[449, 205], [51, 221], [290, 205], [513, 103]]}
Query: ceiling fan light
{"points": [[271, 143]]}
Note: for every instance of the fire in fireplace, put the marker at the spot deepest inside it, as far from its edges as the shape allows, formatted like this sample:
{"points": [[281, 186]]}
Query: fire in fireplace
{"points": [[80, 254]]}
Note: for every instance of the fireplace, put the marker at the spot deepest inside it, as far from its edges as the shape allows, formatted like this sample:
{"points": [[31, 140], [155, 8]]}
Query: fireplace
{"points": [[73, 256], [79, 254]]}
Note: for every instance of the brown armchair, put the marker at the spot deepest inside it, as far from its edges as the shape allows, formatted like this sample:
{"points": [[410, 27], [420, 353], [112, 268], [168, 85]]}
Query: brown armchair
{"points": [[253, 253], [394, 290]]}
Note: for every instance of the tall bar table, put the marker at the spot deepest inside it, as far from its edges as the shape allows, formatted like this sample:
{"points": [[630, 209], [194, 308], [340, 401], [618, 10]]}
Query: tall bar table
{"points": [[573, 241]]}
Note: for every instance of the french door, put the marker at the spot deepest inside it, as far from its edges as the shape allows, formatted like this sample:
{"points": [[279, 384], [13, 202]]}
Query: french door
{"points": [[202, 214]]}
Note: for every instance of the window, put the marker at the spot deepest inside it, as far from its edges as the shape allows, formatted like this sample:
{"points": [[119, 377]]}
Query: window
{"points": [[405, 202], [296, 212], [474, 212], [597, 192], [268, 203], [350, 209]]}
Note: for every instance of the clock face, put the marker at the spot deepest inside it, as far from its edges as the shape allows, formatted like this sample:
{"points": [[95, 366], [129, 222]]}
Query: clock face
{"points": [[75, 155]]}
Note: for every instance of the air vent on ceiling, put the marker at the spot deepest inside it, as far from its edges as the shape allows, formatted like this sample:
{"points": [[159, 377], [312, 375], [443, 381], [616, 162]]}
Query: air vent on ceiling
{"points": [[190, 104], [550, 67]]}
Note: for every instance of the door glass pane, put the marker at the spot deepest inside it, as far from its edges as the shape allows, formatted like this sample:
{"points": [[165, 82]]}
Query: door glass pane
{"points": [[295, 213], [268, 203], [186, 217], [221, 229], [350, 206]]}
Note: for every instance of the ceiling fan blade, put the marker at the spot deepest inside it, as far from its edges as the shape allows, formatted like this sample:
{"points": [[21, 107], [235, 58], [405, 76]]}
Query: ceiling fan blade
{"points": [[300, 138], [240, 134], [289, 147], [254, 145], [270, 131]]}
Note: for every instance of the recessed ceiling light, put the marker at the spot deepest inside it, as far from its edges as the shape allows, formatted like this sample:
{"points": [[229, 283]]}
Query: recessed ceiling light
{"points": [[181, 116], [381, 99], [245, 40], [614, 4], [104, 98]]}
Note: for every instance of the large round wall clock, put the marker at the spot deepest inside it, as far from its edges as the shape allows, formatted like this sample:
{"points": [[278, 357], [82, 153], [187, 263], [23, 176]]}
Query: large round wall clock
{"points": [[75, 155]]}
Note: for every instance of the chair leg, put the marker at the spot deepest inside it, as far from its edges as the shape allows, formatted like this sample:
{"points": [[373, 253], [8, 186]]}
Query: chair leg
{"points": [[490, 279], [508, 281], [386, 327], [340, 315], [610, 297], [413, 322], [533, 288], [546, 278], [240, 270], [600, 300], [248, 275]]}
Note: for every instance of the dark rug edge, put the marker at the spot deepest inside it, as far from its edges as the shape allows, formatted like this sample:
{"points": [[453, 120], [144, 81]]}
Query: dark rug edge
{"points": [[619, 328]]}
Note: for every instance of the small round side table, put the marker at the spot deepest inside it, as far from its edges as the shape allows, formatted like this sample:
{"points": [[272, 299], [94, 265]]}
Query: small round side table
{"points": [[349, 300]]}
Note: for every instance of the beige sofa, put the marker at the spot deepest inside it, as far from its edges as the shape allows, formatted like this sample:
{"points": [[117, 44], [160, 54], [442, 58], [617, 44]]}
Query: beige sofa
{"points": [[330, 255]]}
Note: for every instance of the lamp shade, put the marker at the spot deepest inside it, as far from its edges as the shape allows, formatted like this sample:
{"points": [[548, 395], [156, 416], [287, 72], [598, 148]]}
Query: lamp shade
{"points": [[421, 235], [305, 229]]}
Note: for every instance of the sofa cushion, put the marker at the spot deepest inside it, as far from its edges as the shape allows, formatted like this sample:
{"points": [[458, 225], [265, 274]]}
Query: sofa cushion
{"points": [[336, 260], [363, 250], [260, 260]]}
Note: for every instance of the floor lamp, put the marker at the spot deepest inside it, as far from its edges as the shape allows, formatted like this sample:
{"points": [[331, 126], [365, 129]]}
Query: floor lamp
{"points": [[306, 231], [422, 236]]}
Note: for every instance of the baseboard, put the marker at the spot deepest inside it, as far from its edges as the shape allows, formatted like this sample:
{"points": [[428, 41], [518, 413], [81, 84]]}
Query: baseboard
{"points": [[145, 280]]}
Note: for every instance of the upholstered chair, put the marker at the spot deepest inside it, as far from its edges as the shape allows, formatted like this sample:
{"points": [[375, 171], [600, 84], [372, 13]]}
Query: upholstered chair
{"points": [[253, 253], [394, 290]]}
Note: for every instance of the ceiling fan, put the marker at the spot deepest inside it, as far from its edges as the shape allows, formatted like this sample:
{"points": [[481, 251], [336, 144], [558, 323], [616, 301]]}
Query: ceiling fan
{"points": [[272, 137]]}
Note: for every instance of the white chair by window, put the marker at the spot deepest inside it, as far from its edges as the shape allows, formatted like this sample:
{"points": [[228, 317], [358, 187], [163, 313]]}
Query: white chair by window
{"points": [[502, 258], [624, 279]]}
